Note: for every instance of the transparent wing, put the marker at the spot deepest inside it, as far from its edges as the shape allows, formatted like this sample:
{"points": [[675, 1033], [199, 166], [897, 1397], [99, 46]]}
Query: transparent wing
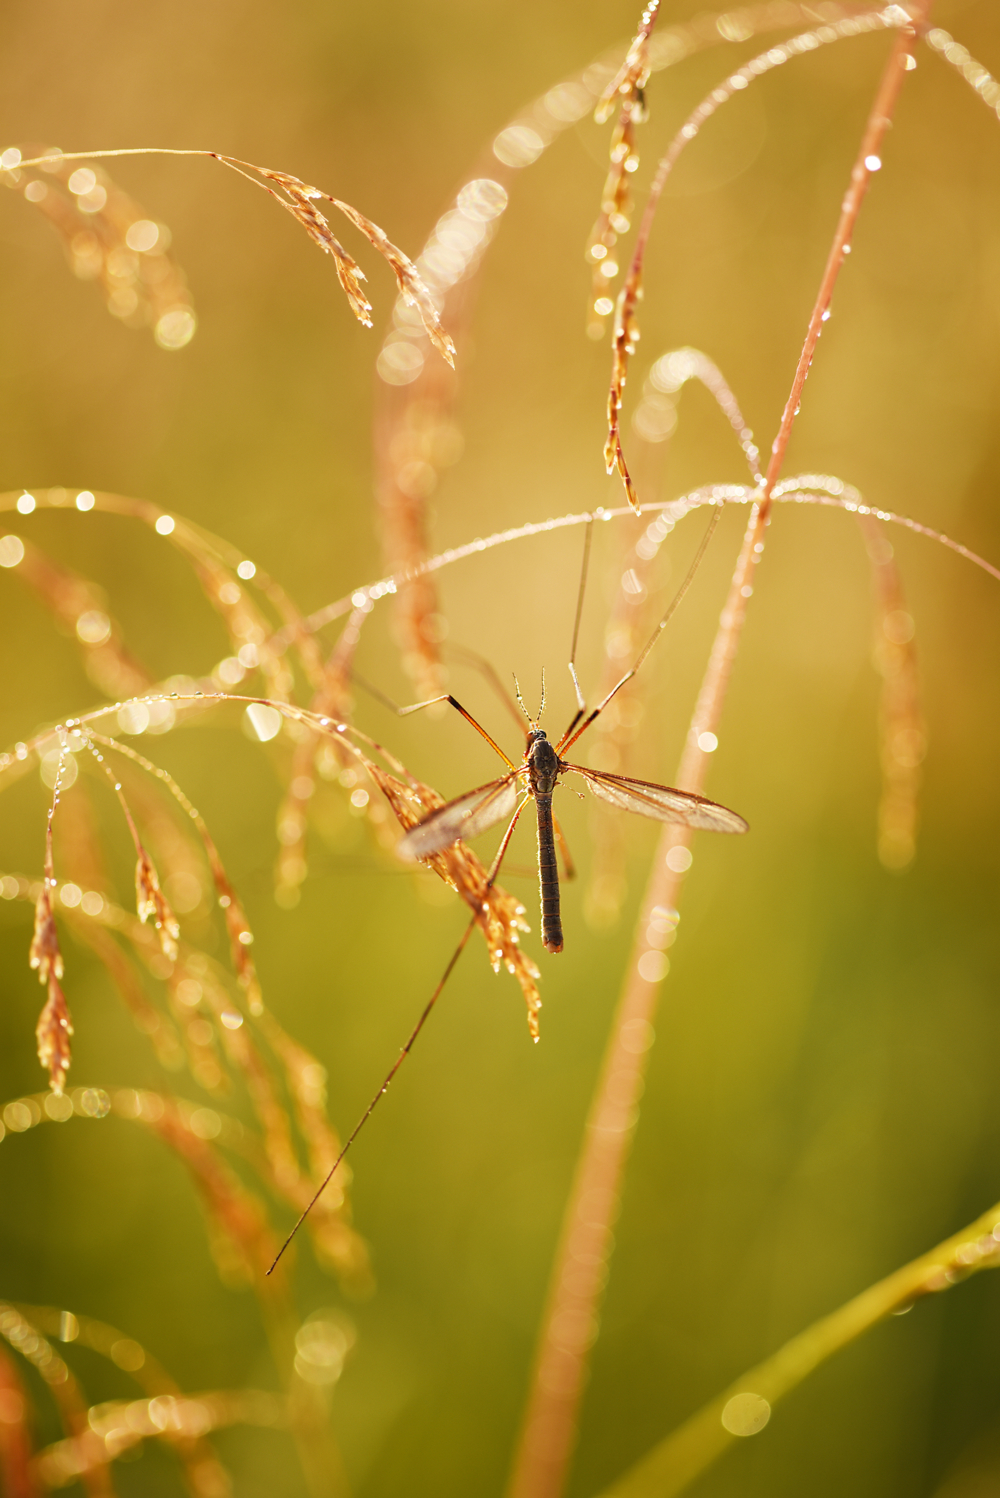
{"points": [[466, 817], [661, 802]]}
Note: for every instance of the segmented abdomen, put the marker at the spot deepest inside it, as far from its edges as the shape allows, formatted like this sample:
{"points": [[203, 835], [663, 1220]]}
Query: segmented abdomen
{"points": [[548, 875]]}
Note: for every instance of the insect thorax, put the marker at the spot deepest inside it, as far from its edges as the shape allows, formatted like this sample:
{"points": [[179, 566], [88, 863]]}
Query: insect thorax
{"points": [[543, 762]]}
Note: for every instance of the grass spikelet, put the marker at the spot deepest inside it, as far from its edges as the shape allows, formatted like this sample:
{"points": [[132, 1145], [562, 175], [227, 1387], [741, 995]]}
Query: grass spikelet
{"points": [[52, 1034], [301, 204], [109, 238], [152, 903], [624, 340], [44, 954], [412, 287]]}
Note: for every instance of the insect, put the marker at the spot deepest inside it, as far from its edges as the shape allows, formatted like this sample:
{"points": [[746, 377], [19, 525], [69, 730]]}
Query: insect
{"points": [[536, 778], [540, 772]]}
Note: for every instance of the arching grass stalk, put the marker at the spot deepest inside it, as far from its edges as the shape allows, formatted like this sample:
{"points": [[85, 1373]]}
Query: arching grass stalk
{"points": [[744, 1407]]}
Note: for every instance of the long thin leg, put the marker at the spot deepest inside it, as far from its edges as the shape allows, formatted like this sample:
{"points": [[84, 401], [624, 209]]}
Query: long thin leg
{"points": [[447, 697], [407, 1048], [460, 652], [570, 737], [403, 712]]}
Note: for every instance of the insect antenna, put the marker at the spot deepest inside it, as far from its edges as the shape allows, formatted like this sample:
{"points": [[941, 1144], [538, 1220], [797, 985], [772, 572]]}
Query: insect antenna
{"points": [[425, 1014], [573, 732], [532, 721]]}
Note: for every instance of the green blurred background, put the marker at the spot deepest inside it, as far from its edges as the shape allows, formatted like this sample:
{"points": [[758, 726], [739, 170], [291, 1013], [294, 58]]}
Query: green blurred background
{"points": [[821, 1104]]}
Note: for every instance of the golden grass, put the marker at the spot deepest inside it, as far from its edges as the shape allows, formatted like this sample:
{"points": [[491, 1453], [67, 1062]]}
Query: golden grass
{"points": [[212, 1018]]}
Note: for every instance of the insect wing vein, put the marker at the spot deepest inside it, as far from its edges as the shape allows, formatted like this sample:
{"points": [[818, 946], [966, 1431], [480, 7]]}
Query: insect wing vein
{"points": [[661, 801], [465, 817]]}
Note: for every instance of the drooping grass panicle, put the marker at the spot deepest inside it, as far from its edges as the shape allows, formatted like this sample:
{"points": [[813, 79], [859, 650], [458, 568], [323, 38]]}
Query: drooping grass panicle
{"points": [[300, 203], [197, 986], [191, 975], [237, 925], [299, 200]]}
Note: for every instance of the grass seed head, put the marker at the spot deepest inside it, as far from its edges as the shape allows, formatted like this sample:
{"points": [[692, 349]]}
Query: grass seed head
{"points": [[44, 954], [152, 902], [53, 1033]]}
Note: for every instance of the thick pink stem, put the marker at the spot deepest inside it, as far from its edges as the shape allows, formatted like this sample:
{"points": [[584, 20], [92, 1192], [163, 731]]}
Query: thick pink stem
{"points": [[570, 1322]]}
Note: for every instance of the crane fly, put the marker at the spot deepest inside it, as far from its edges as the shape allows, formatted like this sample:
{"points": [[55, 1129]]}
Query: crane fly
{"points": [[536, 778], [541, 769]]}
